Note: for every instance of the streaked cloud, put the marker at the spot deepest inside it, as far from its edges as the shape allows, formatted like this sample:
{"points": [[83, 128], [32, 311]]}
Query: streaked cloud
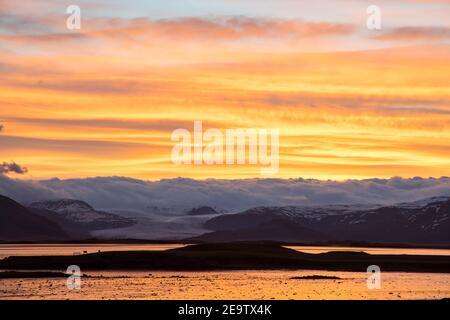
{"points": [[103, 100], [415, 33], [223, 28]]}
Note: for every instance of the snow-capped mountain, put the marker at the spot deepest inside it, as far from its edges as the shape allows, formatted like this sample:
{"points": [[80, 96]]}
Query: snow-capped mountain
{"points": [[151, 223], [18, 223], [82, 213], [75, 210], [425, 221], [420, 222], [158, 224]]}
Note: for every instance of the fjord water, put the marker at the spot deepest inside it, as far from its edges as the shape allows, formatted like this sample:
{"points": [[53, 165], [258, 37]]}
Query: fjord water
{"points": [[276, 284], [7, 250]]}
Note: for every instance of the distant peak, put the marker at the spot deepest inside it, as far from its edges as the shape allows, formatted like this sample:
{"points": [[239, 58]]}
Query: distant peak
{"points": [[202, 211], [63, 205]]}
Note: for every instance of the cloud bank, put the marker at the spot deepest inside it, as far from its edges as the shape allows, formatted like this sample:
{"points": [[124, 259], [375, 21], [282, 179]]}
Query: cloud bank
{"points": [[230, 195]]}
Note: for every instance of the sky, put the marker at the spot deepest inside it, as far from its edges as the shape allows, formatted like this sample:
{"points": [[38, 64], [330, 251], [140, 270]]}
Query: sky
{"points": [[350, 103]]}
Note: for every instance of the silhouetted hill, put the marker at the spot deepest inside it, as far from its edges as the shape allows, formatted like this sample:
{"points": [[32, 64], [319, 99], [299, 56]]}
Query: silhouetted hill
{"points": [[18, 223], [75, 231], [231, 256], [202, 211]]}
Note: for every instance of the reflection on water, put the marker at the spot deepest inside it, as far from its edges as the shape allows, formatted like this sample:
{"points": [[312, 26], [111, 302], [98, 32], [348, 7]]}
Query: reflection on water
{"points": [[70, 249], [230, 285]]}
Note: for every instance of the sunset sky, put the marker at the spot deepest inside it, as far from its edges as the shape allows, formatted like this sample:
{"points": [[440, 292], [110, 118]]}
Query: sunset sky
{"points": [[103, 101]]}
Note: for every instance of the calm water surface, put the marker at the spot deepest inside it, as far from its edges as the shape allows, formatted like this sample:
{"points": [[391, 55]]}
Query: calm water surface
{"points": [[71, 249], [7, 250]]}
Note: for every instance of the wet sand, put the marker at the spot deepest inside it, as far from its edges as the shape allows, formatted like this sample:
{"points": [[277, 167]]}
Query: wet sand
{"points": [[235, 285]]}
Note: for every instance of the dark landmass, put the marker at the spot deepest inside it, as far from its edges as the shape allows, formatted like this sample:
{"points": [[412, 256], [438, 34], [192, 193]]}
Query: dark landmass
{"points": [[420, 224], [38, 223], [231, 256], [424, 222], [73, 230], [31, 274], [17, 223], [272, 230], [202, 211], [315, 277]]}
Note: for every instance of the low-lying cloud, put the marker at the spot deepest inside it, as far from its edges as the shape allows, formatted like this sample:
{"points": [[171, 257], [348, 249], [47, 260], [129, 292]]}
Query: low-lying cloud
{"points": [[229, 195]]}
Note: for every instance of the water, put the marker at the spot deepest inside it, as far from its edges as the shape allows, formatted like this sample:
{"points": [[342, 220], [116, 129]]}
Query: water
{"points": [[71, 249], [236, 285], [7, 250]]}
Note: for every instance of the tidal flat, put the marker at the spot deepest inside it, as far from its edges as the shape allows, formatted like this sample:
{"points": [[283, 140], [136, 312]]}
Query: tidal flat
{"points": [[235, 285]]}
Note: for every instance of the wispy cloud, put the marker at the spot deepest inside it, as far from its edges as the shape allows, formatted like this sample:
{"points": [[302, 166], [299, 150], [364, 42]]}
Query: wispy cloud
{"points": [[415, 33], [103, 100], [145, 32], [223, 28]]}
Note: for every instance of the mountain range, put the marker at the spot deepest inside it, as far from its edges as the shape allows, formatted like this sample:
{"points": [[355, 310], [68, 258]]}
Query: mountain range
{"points": [[54, 220], [81, 213], [424, 222], [18, 223]]}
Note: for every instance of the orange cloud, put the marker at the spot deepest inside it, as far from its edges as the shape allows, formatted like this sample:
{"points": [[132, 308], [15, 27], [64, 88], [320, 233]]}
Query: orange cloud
{"points": [[104, 101]]}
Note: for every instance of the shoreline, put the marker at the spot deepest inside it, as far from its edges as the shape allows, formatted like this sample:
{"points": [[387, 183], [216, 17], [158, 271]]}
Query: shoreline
{"points": [[183, 242], [231, 256]]}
